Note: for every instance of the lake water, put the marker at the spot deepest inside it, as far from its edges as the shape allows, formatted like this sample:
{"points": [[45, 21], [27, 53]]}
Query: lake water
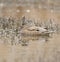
{"points": [[38, 49]]}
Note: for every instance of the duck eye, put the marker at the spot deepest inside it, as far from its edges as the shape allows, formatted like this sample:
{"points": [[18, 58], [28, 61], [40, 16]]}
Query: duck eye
{"points": [[37, 30]]}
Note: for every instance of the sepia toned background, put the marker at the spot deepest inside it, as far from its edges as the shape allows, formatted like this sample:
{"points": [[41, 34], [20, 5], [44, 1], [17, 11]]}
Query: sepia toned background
{"points": [[35, 9], [37, 50]]}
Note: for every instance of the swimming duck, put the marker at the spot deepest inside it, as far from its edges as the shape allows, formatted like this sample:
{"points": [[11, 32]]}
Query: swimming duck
{"points": [[34, 30]]}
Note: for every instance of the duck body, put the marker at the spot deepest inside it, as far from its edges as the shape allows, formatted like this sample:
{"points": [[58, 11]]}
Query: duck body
{"points": [[34, 31]]}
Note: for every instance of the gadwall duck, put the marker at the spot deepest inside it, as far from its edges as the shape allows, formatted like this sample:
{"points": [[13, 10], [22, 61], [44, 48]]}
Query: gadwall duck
{"points": [[34, 30]]}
